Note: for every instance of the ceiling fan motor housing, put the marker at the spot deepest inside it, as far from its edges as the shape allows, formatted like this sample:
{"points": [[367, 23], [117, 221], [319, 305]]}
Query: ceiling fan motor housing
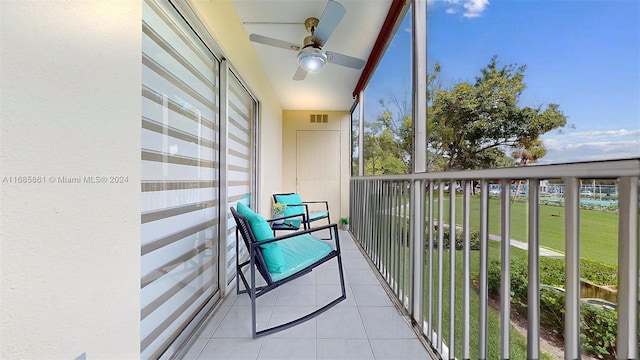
{"points": [[311, 24]]}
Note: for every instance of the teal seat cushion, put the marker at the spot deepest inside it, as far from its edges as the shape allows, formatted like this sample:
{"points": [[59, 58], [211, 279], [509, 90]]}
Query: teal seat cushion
{"points": [[289, 200], [318, 215], [299, 252], [262, 231]]}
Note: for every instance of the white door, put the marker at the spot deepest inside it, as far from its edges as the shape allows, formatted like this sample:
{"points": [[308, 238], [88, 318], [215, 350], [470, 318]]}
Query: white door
{"points": [[318, 167]]}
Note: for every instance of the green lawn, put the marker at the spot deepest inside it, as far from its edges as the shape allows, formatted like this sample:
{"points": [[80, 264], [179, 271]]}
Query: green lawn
{"points": [[598, 230]]}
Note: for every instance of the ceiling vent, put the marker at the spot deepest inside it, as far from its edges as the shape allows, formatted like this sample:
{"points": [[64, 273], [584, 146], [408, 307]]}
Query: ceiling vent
{"points": [[319, 118]]}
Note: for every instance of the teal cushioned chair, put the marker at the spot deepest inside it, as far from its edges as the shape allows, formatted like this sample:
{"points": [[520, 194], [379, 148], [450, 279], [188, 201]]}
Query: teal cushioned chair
{"points": [[314, 210], [302, 252]]}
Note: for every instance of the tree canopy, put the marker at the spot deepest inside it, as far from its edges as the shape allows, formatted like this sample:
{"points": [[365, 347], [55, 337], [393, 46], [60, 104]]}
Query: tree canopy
{"points": [[470, 125]]}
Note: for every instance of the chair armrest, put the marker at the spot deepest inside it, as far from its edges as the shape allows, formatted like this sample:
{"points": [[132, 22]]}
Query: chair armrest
{"points": [[304, 217], [332, 227], [326, 203]]}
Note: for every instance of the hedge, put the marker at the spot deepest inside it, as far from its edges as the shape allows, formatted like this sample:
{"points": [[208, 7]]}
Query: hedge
{"points": [[598, 335]]}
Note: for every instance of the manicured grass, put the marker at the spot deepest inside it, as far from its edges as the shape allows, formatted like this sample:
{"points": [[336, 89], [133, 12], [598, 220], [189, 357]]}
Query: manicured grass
{"points": [[518, 344], [598, 230]]}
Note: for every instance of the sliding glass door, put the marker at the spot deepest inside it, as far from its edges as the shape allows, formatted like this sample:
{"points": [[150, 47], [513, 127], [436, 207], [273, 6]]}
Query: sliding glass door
{"points": [[180, 152]]}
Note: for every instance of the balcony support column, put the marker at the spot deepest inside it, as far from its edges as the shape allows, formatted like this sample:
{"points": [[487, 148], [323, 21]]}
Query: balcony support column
{"points": [[419, 37], [627, 346], [418, 193], [572, 265]]}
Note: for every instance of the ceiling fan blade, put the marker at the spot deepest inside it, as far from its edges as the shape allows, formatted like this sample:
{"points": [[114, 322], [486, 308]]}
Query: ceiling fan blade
{"points": [[330, 18], [274, 42], [300, 74], [344, 60]]}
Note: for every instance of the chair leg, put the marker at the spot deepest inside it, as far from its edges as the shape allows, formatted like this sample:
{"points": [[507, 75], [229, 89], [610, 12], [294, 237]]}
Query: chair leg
{"points": [[310, 315]]}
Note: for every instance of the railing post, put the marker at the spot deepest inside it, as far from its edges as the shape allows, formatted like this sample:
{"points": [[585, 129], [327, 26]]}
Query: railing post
{"points": [[505, 262], [452, 268], [440, 265], [430, 268], [572, 264], [483, 327], [533, 291], [417, 249], [466, 258], [361, 101], [627, 346]]}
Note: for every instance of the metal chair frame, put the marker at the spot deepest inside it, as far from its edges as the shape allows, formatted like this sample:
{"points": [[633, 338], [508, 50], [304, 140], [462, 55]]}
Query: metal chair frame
{"points": [[256, 263]]}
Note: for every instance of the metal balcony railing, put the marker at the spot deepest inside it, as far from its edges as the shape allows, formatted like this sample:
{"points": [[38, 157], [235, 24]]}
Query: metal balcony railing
{"points": [[400, 222]]}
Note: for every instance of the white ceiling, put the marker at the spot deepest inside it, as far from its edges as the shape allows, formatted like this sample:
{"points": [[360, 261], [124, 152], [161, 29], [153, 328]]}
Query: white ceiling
{"points": [[331, 88]]}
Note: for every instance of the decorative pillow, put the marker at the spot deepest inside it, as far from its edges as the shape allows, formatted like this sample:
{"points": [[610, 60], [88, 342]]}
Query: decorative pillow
{"points": [[291, 199], [262, 231]]}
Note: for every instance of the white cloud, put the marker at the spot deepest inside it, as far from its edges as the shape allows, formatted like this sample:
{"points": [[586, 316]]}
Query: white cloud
{"points": [[591, 145], [468, 8], [474, 8], [603, 133]]}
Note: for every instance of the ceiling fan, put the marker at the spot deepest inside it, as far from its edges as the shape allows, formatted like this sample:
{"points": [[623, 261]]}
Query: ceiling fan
{"points": [[311, 57]]}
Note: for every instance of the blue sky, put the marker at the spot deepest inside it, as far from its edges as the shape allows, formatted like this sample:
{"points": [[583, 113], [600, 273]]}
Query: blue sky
{"points": [[581, 54]]}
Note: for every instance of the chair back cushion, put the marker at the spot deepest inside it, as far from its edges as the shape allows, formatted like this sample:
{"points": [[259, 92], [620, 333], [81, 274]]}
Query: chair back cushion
{"points": [[262, 231], [290, 199]]}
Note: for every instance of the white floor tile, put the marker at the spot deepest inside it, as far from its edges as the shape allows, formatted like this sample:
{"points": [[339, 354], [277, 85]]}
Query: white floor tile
{"points": [[266, 299], [356, 262], [284, 314], [214, 321], [327, 293], [385, 323], [285, 349], [295, 294], [236, 349], [328, 273], [237, 323], [341, 323], [351, 252], [334, 349], [196, 349], [370, 295], [395, 349], [362, 277]]}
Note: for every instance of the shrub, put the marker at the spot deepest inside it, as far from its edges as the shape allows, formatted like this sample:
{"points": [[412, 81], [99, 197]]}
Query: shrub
{"points": [[474, 237], [598, 336], [599, 328]]}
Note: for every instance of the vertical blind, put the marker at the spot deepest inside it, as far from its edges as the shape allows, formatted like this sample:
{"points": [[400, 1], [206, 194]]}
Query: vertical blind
{"points": [[240, 161], [180, 177]]}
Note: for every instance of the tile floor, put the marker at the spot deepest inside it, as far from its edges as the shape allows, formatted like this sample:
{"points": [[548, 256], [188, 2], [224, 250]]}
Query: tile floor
{"points": [[364, 326]]}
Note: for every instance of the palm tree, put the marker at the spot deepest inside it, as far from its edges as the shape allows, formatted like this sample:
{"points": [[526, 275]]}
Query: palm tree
{"points": [[528, 152]]}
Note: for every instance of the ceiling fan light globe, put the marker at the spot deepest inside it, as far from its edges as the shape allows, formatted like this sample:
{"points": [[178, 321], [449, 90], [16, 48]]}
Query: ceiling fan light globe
{"points": [[311, 59]]}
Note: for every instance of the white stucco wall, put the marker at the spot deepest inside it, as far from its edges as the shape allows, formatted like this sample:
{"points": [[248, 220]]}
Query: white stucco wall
{"points": [[70, 106]]}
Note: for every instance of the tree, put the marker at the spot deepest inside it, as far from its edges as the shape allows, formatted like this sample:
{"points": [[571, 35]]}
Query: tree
{"points": [[388, 141], [473, 125], [470, 126], [528, 152], [382, 155]]}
